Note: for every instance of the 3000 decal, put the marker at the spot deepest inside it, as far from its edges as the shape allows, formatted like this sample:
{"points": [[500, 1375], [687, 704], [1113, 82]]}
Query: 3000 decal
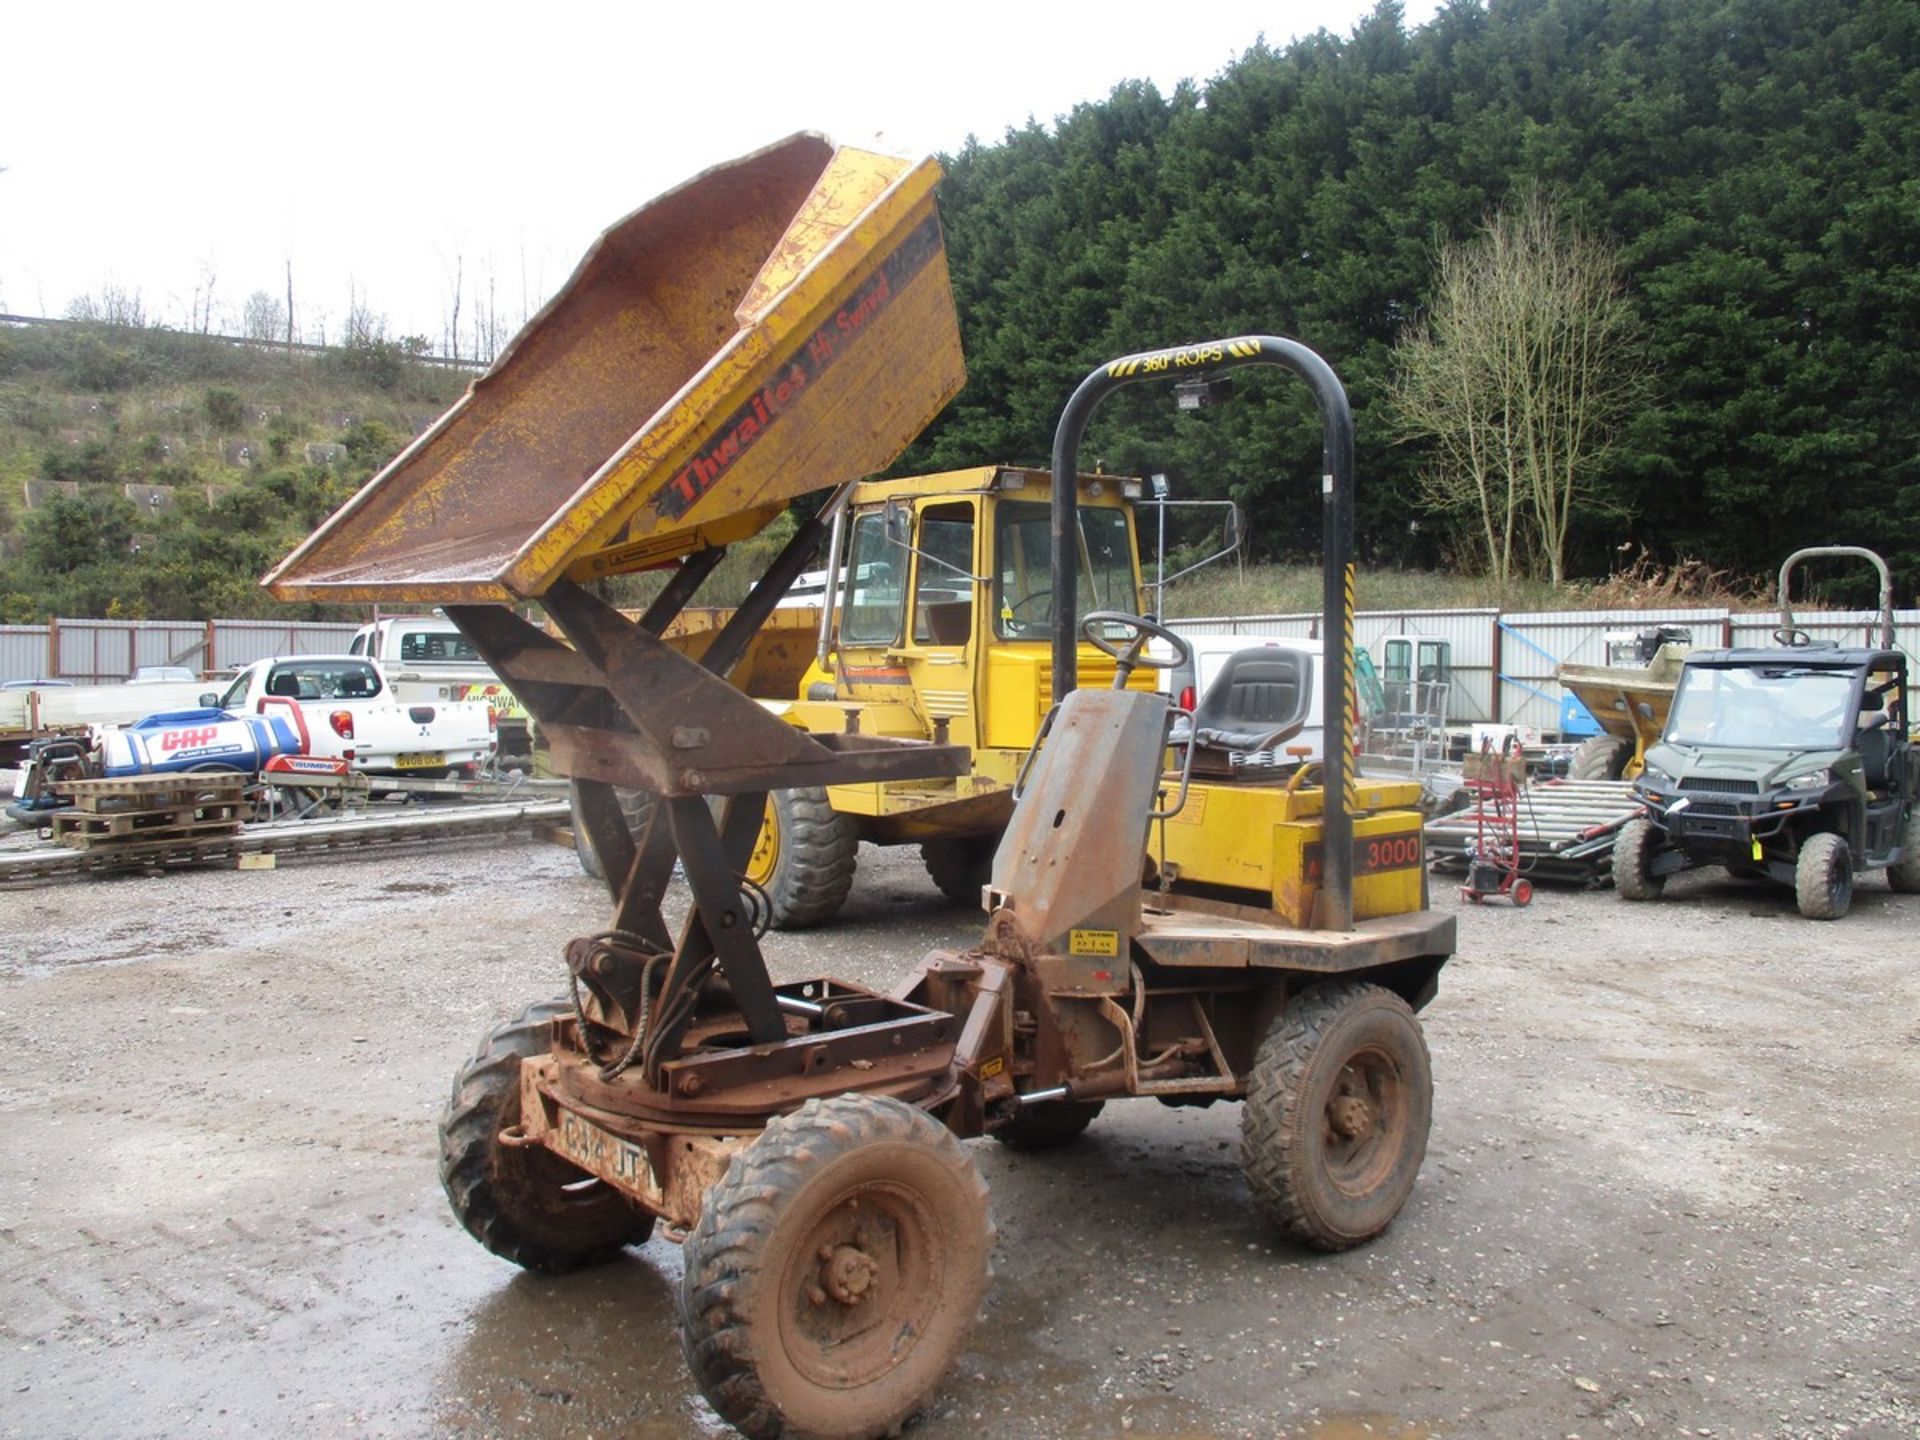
{"points": [[1376, 855]]}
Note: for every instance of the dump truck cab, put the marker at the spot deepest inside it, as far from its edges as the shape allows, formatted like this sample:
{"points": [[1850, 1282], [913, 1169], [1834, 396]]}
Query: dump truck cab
{"points": [[943, 616]]}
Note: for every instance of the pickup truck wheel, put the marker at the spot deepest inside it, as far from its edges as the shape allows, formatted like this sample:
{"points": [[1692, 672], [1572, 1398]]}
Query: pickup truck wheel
{"points": [[1632, 850], [1823, 877], [1600, 757], [804, 858], [960, 867], [523, 1202], [634, 804], [1339, 1103], [1905, 877]]}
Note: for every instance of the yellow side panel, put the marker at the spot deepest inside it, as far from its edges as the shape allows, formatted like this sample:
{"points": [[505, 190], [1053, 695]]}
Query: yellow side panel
{"points": [[1217, 840]]}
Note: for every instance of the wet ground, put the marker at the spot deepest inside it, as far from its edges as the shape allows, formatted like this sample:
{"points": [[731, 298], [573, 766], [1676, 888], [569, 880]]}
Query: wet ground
{"points": [[1672, 1188]]}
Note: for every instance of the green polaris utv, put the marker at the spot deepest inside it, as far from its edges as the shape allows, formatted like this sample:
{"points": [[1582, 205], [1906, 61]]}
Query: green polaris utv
{"points": [[1792, 763]]}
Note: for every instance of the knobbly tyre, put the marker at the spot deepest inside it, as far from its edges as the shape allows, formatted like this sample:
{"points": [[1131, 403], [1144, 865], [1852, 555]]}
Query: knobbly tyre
{"points": [[801, 1139]]}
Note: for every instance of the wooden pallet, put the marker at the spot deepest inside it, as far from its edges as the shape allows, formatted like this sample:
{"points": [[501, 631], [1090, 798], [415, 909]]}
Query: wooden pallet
{"points": [[150, 809]]}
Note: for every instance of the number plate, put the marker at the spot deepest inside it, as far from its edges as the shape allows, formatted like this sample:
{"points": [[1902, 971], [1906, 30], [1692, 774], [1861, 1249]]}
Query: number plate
{"points": [[619, 1162], [423, 760]]}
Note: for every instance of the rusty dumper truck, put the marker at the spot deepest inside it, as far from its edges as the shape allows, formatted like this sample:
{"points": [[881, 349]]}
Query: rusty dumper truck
{"points": [[782, 325]]}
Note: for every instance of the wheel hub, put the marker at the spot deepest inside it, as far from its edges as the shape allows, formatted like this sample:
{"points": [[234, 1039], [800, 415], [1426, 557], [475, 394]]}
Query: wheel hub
{"points": [[848, 1272], [1351, 1116]]}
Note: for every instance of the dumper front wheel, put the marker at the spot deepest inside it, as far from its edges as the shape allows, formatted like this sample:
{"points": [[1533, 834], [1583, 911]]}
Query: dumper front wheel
{"points": [[1339, 1102], [804, 858], [836, 1270], [635, 806], [523, 1202]]}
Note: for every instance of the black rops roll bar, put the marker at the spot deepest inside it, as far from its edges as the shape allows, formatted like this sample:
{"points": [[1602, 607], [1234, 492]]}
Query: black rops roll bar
{"points": [[1183, 362]]}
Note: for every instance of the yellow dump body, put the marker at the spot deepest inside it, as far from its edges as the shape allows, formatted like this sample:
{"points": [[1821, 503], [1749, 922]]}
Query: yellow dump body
{"points": [[779, 324]]}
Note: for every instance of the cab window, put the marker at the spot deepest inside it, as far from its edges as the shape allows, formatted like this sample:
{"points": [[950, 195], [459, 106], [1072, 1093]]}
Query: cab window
{"points": [[943, 599], [875, 595], [1023, 569]]}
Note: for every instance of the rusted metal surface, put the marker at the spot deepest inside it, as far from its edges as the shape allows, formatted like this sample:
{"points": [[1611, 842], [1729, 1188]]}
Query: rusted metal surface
{"points": [[775, 326]]}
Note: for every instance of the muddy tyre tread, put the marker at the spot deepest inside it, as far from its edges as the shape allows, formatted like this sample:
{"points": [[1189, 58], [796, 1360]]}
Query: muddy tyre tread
{"points": [[958, 868], [725, 1250], [636, 805], [819, 850], [1272, 1134], [1599, 757], [1049, 1126], [1630, 855], [485, 1093], [1904, 878], [1823, 877]]}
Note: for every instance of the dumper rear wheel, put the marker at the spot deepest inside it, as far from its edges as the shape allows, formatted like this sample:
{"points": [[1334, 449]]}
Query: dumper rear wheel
{"points": [[635, 805], [1050, 1125], [524, 1203], [960, 867], [804, 858], [836, 1270], [1339, 1102]]}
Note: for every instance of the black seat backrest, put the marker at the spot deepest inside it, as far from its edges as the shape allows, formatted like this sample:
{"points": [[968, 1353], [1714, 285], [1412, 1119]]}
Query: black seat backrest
{"points": [[1259, 700], [1876, 756], [285, 683]]}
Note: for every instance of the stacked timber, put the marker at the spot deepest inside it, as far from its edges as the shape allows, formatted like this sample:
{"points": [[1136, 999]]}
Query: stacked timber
{"points": [[142, 814]]}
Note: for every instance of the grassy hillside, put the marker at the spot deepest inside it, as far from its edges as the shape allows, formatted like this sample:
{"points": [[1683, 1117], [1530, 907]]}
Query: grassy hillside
{"points": [[145, 472]]}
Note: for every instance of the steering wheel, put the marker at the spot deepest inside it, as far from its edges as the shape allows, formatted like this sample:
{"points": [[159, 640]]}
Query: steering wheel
{"points": [[1013, 610], [1792, 635], [1133, 652]]}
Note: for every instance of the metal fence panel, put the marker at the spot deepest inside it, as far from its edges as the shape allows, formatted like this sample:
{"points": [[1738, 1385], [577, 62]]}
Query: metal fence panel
{"points": [[23, 652], [106, 652], [241, 642]]}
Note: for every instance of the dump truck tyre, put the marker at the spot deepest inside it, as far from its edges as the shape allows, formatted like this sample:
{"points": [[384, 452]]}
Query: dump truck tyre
{"points": [[1599, 757], [805, 858], [836, 1270], [959, 868], [1049, 1126], [1823, 877], [514, 1199], [1905, 877], [1339, 1103], [1632, 851], [634, 804]]}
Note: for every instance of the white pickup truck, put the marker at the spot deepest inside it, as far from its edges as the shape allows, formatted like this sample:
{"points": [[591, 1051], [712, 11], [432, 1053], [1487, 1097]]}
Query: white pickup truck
{"points": [[349, 711], [425, 657]]}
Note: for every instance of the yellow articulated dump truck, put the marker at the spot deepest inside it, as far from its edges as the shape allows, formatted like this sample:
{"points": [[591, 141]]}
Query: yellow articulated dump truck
{"points": [[938, 630], [1178, 931]]}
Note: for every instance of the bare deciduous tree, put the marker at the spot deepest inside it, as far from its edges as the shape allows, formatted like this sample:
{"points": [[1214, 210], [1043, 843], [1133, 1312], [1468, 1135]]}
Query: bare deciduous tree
{"points": [[1519, 376], [262, 318]]}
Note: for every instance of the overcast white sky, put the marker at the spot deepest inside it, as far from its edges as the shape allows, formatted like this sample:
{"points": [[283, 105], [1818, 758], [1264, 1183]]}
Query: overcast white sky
{"points": [[157, 147]]}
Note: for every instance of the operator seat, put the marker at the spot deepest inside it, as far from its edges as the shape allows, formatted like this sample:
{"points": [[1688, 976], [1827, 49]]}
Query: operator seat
{"points": [[1258, 701]]}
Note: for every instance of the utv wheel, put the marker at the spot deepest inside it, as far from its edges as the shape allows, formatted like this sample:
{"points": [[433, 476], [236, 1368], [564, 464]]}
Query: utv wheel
{"points": [[836, 1270], [1823, 878], [1600, 757], [804, 858], [524, 1203], [1632, 854], [960, 867], [1339, 1102], [635, 805], [1049, 1125], [1905, 877]]}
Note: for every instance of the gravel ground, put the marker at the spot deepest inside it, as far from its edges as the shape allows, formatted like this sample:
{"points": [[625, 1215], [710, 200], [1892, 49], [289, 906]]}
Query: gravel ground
{"points": [[1671, 1190]]}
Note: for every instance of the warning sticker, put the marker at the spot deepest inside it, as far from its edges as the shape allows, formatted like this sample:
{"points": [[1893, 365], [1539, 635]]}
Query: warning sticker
{"points": [[1093, 942]]}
